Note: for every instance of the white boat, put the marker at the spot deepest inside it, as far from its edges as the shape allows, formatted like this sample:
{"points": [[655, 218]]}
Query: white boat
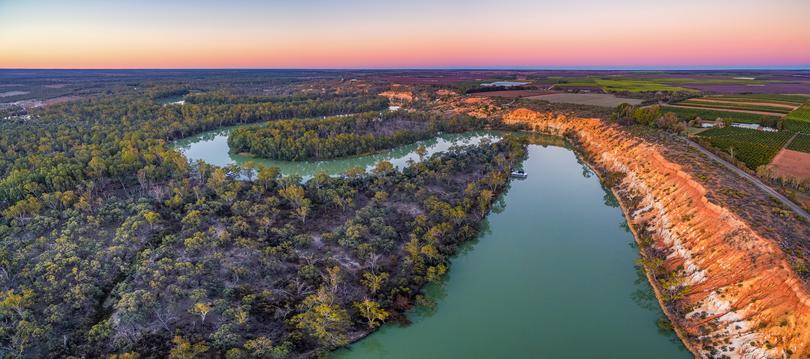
{"points": [[519, 174]]}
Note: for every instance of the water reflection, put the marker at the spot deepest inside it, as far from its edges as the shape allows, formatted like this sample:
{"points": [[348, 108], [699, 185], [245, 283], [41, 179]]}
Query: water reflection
{"points": [[212, 147]]}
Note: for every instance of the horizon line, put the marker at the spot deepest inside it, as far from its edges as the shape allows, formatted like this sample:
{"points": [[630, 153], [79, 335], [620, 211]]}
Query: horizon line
{"points": [[444, 68]]}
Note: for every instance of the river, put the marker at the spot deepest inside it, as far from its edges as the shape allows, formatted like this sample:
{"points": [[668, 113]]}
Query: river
{"points": [[551, 275]]}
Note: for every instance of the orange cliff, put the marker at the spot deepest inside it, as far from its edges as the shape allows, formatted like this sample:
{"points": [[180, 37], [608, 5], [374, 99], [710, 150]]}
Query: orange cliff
{"points": [[734, 291]]}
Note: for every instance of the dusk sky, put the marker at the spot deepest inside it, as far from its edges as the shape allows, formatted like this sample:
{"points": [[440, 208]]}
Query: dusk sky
{"points": [[403, 34]]}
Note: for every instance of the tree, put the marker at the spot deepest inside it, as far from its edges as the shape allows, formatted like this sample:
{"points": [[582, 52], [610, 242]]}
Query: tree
{"points": [[262, 347], [355, 172], [383, 167], [302, 211], [374, 281], [201, 309], [266, 176], [294, 194], [183, 349], [484, 199], [371, 310], [324, 321], [421, 151], [151, 217], [333, 277]]}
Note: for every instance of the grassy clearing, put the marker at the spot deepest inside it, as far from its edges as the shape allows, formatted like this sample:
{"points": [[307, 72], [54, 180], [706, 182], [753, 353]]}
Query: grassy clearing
{"points": [[754, 148], [735, 106], [687, 114], [800, 143]]}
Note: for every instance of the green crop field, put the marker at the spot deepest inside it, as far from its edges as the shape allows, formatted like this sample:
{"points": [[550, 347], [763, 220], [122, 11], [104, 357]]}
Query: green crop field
{"points": [[617, 85], [684, 81], [754, 148], [735, 106], [800, 114], [800, 143], [798, 126], [786, 99], [687, 114]]}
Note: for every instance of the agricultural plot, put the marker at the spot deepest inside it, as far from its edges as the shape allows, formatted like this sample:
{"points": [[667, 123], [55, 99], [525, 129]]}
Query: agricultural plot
{"points": [[603, 100], [800, 114], [687, 114], [799, 119], [758, 107], [620, 85], [794, 100], [801, 143], [754, 148], [791, 164]]}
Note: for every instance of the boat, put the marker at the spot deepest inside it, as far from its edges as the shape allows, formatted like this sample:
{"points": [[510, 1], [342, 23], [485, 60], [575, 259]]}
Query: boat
{"points": [[519, 174]]}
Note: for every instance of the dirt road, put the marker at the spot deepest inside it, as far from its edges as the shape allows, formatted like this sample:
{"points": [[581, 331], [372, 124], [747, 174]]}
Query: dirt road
{"points": [[767, 189]]}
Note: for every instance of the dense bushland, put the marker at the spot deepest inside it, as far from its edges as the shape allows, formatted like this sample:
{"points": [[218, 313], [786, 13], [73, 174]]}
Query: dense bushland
{"points": [[113, 243], [294, 140]]}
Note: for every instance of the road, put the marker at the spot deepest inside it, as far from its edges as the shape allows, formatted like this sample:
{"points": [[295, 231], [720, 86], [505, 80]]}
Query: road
{"points": [[767, 189]]}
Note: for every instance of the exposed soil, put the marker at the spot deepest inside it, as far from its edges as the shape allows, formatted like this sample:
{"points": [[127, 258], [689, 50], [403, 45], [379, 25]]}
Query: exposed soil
{"points": [[791, 164], [726, 249], [398, 96]]}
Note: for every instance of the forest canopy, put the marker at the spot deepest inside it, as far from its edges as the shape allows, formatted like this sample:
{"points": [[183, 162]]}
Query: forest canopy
{"points": [[113, 243]]}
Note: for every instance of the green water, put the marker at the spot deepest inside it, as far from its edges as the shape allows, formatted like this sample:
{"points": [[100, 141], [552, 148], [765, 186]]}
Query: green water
{"points": [[551, 276], [212, 147]]}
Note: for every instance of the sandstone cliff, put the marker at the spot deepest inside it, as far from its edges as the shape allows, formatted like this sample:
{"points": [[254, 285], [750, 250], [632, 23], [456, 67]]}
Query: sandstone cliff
{"points": [[729, 289]]}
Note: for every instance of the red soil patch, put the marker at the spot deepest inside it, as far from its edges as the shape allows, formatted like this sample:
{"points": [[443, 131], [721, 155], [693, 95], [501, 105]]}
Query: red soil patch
{"points": [[791, 164]]}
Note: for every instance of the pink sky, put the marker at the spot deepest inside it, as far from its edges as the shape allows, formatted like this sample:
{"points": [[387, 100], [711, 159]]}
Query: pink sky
{"points": [[395, 34]]}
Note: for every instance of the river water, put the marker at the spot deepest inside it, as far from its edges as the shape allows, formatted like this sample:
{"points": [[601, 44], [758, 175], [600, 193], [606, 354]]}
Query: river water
{"points": [[552, 274]]}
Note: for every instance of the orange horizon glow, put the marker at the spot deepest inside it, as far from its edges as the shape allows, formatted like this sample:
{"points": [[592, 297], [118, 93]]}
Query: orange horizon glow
{"points": [[361, 34]]}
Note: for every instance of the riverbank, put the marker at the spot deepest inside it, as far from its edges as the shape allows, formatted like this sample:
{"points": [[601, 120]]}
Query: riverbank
{"points": [[517, 291], [727, 288]]}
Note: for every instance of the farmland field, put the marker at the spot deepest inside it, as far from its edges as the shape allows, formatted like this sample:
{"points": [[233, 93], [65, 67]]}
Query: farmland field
{"points": [[787, 99], [801, 143], [618, 85], [736, 106], [791, 164], [592, 99], [800, 114], [754, 148], [711, 114]]}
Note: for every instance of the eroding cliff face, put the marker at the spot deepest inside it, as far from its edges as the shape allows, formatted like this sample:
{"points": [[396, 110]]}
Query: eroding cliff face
{"points": [[729, 289]]}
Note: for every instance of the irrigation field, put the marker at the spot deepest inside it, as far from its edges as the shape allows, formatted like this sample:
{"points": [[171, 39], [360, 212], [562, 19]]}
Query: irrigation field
{"points": [[687, 114], [748, 108], [801, 143], [754, 148]]}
